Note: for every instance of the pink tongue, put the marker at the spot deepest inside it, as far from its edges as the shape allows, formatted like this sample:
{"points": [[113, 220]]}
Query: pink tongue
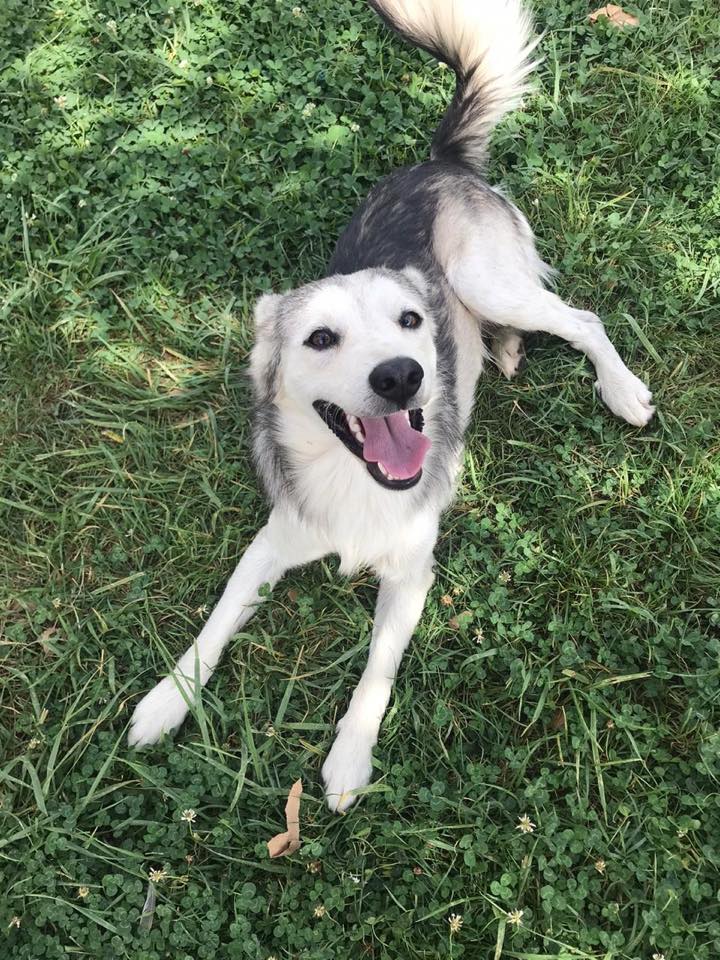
{"points": [[392, 442]]}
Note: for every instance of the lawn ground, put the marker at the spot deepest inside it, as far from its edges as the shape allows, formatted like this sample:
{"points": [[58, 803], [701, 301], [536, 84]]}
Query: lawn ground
{"points": [[160, 165]]}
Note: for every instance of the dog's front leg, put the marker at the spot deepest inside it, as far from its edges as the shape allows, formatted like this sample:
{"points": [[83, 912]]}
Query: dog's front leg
{"points": [[399, 606], [280, 545]]}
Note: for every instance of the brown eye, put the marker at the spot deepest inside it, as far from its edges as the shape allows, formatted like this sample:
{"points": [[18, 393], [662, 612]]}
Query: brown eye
{"points": [[409, 320], [322, 339]]}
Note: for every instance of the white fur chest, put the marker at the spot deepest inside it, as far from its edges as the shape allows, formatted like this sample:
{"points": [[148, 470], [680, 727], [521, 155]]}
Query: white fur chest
{"points": [[366, 524]]}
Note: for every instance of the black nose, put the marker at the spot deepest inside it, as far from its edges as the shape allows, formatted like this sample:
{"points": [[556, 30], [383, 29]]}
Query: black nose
{"points": [[397, 380]]}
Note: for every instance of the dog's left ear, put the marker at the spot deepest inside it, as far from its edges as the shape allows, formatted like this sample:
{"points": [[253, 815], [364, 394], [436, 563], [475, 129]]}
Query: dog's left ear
{"points": [[265, 354], [266, 310], [417, 280]]}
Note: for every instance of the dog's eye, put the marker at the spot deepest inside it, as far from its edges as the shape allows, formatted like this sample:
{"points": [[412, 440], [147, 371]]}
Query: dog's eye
{"points": [[409, 320], [322, 339]]}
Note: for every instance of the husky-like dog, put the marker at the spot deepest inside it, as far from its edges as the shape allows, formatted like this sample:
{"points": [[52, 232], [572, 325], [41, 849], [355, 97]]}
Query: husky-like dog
{"points": [[364, 380]]}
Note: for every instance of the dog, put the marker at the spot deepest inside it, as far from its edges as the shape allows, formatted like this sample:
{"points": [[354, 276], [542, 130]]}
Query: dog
{"points": [[363, 380]]}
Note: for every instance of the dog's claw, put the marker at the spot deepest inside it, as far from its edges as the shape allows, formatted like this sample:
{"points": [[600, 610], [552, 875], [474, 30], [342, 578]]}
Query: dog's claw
{"points": [[627, 397], [160, 711], [508, 352], [348, 768]]}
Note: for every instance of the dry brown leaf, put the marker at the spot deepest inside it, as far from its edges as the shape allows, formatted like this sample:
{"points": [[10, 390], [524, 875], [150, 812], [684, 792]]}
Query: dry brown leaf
{"points": [[616, 15], [289, 841], [44, 640], [461, 620], [558, 721]]}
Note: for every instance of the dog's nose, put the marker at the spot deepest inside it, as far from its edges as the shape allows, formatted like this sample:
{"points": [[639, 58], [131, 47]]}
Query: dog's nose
{"points": [[397, 380]]}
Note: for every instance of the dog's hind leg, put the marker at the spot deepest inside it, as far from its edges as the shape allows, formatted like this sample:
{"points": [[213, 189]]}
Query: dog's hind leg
{"points": [[508, 351], [534, 308], [280, 545], [501, 282], [400, 602]]}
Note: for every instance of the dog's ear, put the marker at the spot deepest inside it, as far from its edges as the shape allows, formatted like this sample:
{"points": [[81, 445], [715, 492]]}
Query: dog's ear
{"points": [[266, 310], [417, 280], [265, 354]]}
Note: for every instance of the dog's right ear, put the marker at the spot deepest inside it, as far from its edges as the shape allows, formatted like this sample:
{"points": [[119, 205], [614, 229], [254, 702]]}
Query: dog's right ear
{"points": [[265, 354], [266, 310]]}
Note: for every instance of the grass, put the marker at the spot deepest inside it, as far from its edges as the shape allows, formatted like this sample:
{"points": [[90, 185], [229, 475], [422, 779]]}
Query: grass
{"points": [[159, 167]]}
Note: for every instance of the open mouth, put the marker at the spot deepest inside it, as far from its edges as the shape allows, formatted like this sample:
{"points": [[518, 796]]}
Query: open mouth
{"points": [[392, 448]]}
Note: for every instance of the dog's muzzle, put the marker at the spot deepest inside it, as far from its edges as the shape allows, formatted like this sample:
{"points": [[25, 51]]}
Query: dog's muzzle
{"points": [[392, 448]]}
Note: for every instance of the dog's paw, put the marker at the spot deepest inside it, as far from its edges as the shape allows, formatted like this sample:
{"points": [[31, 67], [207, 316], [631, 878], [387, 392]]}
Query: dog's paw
{"points": [[159, 712], [348, 767], [627, 396], [508, 351]]}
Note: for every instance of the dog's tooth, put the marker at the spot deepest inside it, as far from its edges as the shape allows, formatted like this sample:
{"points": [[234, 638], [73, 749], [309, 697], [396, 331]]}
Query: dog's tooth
{"points": [[383, 471], [356, 428]]}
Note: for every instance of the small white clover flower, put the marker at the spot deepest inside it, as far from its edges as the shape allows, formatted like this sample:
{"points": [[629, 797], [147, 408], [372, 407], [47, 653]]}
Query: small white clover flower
{"points": [[456, 921], [297, 11], [184, 64], [355, 127], [157, 876], [83, 892], [208, 81], [112, 26], [309, 108], [188, 816], [61, 101], [525, 824], [515, 917], [82, 202], [14, 922]]}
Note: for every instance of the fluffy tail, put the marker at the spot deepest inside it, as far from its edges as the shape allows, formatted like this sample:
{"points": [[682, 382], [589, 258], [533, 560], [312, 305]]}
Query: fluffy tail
{"points": [[488, 44]]}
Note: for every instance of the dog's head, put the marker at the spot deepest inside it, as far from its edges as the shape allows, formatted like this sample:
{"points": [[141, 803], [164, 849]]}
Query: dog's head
{"points": [[357, 352]]}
